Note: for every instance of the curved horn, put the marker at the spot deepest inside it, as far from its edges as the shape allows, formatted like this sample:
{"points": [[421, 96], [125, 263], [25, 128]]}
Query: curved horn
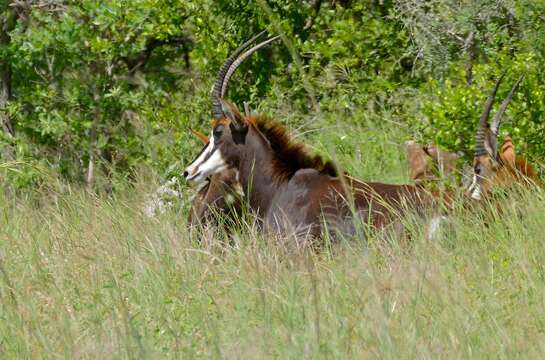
{"points": [[217, 112], [240, 59], [495, 127], [480, 138]]}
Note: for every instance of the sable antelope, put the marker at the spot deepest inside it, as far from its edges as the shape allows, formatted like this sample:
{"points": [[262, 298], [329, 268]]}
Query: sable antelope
{"points": [[493, 165], [221, 193], [290, 190]]}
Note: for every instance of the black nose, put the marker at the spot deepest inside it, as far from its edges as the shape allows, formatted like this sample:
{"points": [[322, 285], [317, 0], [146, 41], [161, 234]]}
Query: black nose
{"points": [[186, 174]]}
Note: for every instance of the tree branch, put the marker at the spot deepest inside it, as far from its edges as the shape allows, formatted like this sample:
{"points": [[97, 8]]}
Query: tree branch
{"points": [[139, 60], [470, 46]]}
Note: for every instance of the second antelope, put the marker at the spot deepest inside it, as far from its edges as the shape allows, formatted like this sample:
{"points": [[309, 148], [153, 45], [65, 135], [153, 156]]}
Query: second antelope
{"points": [[494, 165], [292, 191]]}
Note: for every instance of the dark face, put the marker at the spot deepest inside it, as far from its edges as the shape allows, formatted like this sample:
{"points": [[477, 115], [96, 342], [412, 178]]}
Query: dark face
{"points": [[222, 152]]}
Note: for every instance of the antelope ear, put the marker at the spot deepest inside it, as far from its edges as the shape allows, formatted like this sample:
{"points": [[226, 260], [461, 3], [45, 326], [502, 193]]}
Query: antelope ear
{"points": [[418, 164], [201, 136], [238, 125], [231, 112], [507, 152], [445, 160]]}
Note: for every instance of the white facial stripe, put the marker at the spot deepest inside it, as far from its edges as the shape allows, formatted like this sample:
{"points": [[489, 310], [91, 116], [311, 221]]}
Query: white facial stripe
{"points": [[207, 163], [475, 188], [213, 164], [193, 168], [202, 156], [473, 183], [476, 193]]}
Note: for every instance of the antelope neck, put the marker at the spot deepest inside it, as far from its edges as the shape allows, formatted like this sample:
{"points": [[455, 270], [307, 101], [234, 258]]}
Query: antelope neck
{"points": [[256, 172]]}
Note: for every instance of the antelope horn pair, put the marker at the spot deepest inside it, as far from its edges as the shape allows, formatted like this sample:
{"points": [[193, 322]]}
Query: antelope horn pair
{"points": [[487, 135], [229, 67]]}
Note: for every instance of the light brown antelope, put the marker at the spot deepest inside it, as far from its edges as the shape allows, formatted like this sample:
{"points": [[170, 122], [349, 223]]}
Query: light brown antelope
{"points": [[492, 165], [290, 190], [429, 164], [220, 194]]}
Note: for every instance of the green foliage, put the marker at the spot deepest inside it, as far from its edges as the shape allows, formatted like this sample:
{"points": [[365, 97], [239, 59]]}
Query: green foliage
{"points": [[113, 85], [77, 89], [507, 37], [452, 108]]}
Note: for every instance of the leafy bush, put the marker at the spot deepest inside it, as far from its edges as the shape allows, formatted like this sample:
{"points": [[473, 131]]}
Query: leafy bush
{"points": [[452, 108], [96, 89]]}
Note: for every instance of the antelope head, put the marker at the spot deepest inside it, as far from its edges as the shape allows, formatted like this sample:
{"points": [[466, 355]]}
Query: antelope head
{"points": [[219, 193], [429, 162], [492, 165], [229, 127]]}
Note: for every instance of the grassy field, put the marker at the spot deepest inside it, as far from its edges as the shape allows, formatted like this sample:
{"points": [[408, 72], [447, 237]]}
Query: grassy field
{"points": [[104, 93], [88, 276]]}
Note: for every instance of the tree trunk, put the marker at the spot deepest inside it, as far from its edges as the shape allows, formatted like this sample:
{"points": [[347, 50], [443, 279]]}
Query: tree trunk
{"points": [[93, 141], [5, 95], [471, 50], [7, 20]]}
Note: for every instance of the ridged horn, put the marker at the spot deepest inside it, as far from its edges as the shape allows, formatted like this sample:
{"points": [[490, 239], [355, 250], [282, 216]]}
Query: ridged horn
{"points": [[496, 123], [480, 138], [217, 112], [240, 60]]}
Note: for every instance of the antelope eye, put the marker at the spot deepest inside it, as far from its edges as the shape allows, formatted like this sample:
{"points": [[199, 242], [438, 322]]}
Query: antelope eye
{"points": [[218, 131]]}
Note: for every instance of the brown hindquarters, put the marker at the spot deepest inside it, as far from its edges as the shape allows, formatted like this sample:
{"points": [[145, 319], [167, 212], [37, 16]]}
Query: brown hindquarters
{"points": [[389, 201], [380, 204]]}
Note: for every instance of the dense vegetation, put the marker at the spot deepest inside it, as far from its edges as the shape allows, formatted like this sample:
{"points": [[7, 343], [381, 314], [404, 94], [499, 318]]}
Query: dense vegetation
{"points": [[83, 276], [92, 89], [101, 94]]}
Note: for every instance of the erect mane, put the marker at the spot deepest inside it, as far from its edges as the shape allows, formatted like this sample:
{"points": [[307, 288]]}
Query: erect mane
{"points": [[290, 156]]}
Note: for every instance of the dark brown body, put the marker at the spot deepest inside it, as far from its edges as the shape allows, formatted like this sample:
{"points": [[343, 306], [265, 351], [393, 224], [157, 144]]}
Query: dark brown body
{"points": [[310, 200], [295, 193], [291, 191]]}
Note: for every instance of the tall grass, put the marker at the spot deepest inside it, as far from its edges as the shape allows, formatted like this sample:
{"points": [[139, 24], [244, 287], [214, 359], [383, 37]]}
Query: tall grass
{"points": [[89, 276]]}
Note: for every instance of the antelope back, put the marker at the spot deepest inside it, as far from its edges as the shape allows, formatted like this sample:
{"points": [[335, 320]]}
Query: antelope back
{"points": [[429, 162]]}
